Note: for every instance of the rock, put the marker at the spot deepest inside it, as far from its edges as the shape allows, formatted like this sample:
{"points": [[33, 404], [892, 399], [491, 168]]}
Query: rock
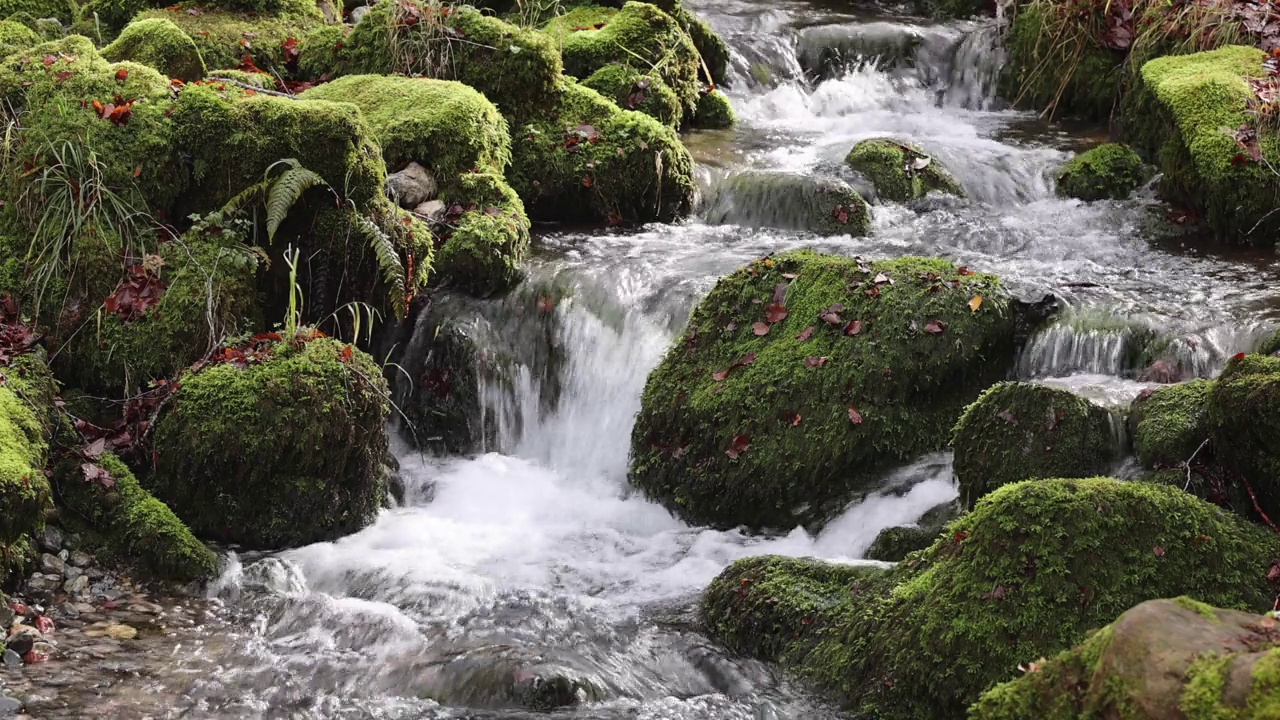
{"points": [[11, 659], [121, 632], [640, 91], [69, 609], [6, 615], [789, 201], [81, 559], [1170, 424], [134, 524], [433, 209], [50, 539], [43, 649], [1161, 371], [217, 31], [358, 14], [52, 565], [310, 469], [83, 608], [42, 584], [1044, 562], [1107, 172], [22, 638], [1245, 429], [158, 43], [714, 111], [1162, 659], [411, 186], [9, 706], [767, 425], [25, 428], [77, 586], [1020, 431], [901, 171], [895, 543]]}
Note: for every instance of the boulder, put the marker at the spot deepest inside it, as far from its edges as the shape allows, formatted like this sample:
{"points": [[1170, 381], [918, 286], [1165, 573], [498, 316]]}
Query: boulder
{"points": [[1245, 429], [1176, 658], [1171, 424], [1021, 431], [1107, 172], [714, 111], [158, 43], [277, 444], [635, 90], [802, 376], [15, 37], [896, 543], [232, 35], [26, 408], [412, 186], [900, 172], [788, 201], [1027, 574]]}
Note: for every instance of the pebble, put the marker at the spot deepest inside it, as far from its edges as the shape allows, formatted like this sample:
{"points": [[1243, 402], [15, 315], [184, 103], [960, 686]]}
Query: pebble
{"points": [[52, 565], [81, 559], [83, 608], [9, 706], [120, 632], [11, 659], [50, 539], [69, 610]]}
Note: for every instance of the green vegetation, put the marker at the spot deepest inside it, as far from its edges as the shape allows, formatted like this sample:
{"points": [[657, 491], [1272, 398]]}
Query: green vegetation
{"points": [[1244, 427], [1108, 171], [714, 111], [634, 90], [226, 37], [1056, 63], [1171, 424], [900, 172], [159, 43], [24, 446]]}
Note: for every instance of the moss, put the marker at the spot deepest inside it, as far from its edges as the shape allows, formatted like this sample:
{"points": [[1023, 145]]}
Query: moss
{"points": [[888, 165], [137, 528], [1199, 95], [825, 206], [711, 47], [283, 452], [160, 44], [1047, 73], [633, 90], [1270, 345], [714, 111], [15, 37], [320, 49], [25, 424], [1019, 431], [65, 11], [515, 68], [895, 543], [639, 34], [1026, 575], [768, 606], [1203, 609], [109, 16], [210, 294], [907, 383], [1171, 423], [1108, 171], [226, 37], [483, 252], [445, 126], [583, 158], [260, 81], [1244, 428]]}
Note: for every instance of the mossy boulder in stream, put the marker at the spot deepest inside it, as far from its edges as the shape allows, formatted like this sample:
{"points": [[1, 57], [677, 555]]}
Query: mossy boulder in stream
{"points": [[1170, 424], [789, 201], [714, 111], [896, 543], [900, 172], [1020, 431], [1176, 658], [1245, 426], [26, 408], [278, 445], [136, 527], [634, 90], [1026, 575], [1107, 172], [160, 44], [802, 376]]}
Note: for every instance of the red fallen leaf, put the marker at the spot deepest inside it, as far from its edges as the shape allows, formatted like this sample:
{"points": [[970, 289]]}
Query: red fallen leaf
{"points": [[44, 624], [855, 417], [1273, 574], [63, 76], [587, 181], [49, 60], [1240, 159], [813, 361], [744, 361], [122, 75], [34, 658], [546, 304], [18, 608], [97, 107], [831, 315], [137, 171], [1238, 356], [738, 446], [250, 92], [795, 419], [933, 327], [853, 328], [290, 47], [1008, 417], [1159, 551], [775, 313], [760, 329], [780, 293], [841, 214], [805, 334], [345, 355], [872, 292], [244, 43], [962, 536], [963, 270]]}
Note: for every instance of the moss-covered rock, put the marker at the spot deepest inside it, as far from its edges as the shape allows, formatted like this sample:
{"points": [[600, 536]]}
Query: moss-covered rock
{"points": [[1269, 345], [441, 401], [585, 159], [1020, 431], [25, 431], [1171, 423], [14, 36], [1245, 428], [714, 111], [225, 37], [900, 172], [487, 239], [826, 206], [634, 90], [896, 543], [1056, 65], [712, 48], [1108, 171], [866, 364], [319, 50], [64, 11], [1189, 100], [159, 43], [516, 69], [136, 528], [1028, 574], [282, 452], [1164, 658]]}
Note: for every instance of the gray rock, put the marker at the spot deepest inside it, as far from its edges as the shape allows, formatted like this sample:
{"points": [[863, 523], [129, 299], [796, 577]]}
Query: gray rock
{"points": [[22, 641], [6, 617], [9, 706], [358, 14], [81, 559], [11, 659], [74, 572], [52, 565], [69, 610], [77, 585], [412, 186], [43, 648], [50, 539], [431, 209], [41, 584]]}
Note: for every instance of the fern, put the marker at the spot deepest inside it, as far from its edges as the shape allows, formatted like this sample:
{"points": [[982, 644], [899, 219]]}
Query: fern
{"points": [[285, 191], [388, 261]]}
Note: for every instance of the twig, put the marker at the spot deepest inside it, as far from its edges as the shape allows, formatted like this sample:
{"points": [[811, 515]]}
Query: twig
{"points": [[1188, 464], [247, 86], [1257, 506]]}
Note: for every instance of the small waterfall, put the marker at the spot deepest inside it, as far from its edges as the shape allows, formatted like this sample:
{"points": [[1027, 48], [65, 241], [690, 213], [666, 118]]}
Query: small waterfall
{"points": [[1075, 345], [973, 70]]}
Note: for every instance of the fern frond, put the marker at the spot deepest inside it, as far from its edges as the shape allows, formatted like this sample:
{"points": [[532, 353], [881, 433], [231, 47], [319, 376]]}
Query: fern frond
{"points": [[246, 196], [285, 191], [388, 262]]}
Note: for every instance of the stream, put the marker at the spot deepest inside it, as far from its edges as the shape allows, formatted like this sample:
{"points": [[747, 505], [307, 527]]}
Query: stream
{"points": [[532, 570]]}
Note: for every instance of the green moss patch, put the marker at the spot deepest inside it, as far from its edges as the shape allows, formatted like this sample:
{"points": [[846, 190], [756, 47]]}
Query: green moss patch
{"points": [[1245, 428], [24, 438], [767, 424], [1171, 423], [900, 172], [1108, 171], [279, 453], [714, 111], [1020, 431], [226, 37], [634, 90], [14, 37], [159, 43]]}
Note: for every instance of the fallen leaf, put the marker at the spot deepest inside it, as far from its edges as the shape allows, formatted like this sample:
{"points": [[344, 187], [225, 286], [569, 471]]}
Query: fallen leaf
{"points": [[975, 302], [760, 329], [881, 279], [933, 327], [1008, 417], [122, 75], [962, 270], [796, 420], [780, 293], [137, 171], [853, 328], [813, 361], [805, 334], [775, 313], [831, 314], [737, 446], [855, 417], [744, 361], [1159, 551]]}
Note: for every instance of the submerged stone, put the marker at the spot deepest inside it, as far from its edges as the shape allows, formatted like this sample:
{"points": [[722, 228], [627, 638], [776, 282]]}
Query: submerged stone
{"points": [[826, 206]]}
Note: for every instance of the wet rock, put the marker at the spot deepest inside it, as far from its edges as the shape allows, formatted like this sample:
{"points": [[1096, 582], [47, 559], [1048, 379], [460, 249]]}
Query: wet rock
{"points": [[77, 586], [119, 631], [6, 616], [81, 559], [788, 201], [22, 638], [83, 608], [358, 14], [52, 565], [411, 186], [11, 659], [432, 208], [1108, 171], [900, 171], [69, 610], [42, 584], [50, 539], [9, 706]]}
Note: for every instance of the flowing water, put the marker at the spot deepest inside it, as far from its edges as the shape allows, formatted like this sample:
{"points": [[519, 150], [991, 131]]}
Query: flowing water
{"points": [[532, 574]]}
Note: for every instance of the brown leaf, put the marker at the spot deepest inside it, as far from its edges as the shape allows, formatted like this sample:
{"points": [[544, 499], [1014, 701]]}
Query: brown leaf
{"points": [[775, 313], [933, 327], [122, 75], [975, 302], [855, 417], [853, 328], [881, 279], [738, 445], [813, 361], [95, 449], [760, 329], [779, 293], [805, 334], [962, 270], [744, 361], [831, 314]]}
